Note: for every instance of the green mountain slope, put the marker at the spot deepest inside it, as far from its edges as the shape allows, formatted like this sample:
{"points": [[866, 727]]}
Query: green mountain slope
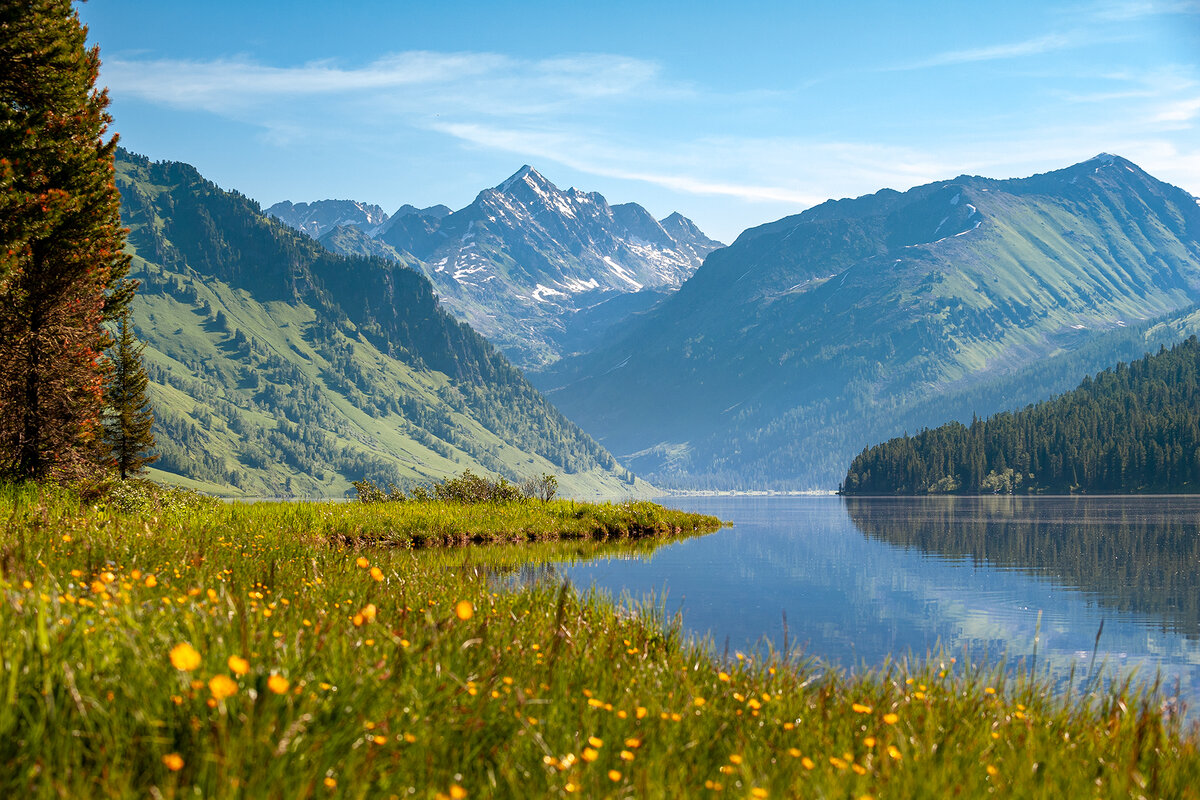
{"points": [[279, 368], [1134, 428], [815, 335]]}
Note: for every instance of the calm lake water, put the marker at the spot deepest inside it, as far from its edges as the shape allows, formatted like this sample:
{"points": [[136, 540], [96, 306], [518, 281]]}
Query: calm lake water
{"points": [[859, 579]]}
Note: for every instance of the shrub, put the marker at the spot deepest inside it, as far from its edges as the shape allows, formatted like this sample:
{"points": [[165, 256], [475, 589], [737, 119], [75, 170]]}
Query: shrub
{"points": [[467, 488]]}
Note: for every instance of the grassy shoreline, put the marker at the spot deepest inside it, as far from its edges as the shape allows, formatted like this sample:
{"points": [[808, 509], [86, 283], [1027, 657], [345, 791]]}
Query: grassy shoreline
{"points": [[243, 651]]}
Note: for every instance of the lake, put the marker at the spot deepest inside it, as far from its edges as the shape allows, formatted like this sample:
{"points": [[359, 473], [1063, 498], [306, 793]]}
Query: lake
{"points": [[859, 579]]}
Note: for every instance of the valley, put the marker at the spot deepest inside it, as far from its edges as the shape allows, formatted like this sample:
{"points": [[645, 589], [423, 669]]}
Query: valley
{"points": [[280, 369]]}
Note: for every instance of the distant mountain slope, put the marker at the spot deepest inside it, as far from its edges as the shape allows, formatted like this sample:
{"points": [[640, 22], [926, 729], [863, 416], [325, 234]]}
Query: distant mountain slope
{"points": [[525, 258], [322, 216], [1134, 428], [811, 337], [278, 367]]}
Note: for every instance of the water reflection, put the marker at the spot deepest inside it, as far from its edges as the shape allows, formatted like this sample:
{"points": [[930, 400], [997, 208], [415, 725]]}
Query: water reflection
{"points": [[861, 579], [1139, 554]]}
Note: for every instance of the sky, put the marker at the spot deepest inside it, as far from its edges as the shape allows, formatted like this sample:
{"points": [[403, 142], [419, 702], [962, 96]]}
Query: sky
{"points": [[732, 114]]}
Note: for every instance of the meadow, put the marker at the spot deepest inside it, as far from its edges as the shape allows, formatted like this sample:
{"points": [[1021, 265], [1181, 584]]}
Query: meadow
{"points": [[166, 645]]}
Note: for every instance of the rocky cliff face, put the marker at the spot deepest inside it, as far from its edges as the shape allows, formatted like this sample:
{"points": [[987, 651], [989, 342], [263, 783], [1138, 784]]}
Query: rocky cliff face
{"points": [[526, 262]]}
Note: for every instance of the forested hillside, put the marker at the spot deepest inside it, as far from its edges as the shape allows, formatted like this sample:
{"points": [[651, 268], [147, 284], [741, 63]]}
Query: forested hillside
{"points": [[1133, 428], [278, 367]]}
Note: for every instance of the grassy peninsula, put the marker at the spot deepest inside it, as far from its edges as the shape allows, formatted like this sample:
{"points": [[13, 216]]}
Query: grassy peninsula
{"points": [[167, 647]]}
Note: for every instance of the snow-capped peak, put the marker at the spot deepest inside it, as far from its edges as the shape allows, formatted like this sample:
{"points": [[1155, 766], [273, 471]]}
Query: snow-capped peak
{"points": [[527, 175]]}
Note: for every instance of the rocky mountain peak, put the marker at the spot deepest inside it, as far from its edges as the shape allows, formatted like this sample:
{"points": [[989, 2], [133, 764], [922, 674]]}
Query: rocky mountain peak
{"points": [[528, 176]]}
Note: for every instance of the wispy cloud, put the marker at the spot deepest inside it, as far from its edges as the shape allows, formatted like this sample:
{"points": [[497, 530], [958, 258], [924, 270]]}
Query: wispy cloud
{"points": [[1008, 50], [402, 81], [1179, 111], [1129, 10], [621, 118], [787, 171], [610, 160]]}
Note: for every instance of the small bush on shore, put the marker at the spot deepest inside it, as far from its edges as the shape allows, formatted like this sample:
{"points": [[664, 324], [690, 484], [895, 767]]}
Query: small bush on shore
{"points": [[466, 488]]}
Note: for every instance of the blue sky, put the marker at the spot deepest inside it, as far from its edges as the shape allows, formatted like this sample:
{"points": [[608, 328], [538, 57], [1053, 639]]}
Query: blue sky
{"points": [[732, 114]]}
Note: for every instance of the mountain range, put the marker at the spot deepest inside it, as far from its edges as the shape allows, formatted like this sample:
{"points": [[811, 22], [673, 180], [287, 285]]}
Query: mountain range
{"points": [[541, 272], [280, 368], [813, 336]]}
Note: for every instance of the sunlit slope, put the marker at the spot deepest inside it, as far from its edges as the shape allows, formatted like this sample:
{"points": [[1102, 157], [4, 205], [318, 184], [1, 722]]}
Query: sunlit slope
{"points": [[848, 314], [279, 368]]}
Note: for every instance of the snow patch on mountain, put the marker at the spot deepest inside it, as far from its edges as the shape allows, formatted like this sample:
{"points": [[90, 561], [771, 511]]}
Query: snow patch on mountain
{"points": [[541, 292], [623, 274]]}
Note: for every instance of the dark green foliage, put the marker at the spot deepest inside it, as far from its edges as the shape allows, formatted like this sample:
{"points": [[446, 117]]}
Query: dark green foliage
{"points": [[61, 260], [1133, 428], [128, 420]]}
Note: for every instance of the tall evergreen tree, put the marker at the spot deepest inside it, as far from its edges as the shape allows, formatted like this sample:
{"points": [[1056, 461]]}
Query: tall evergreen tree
{"points": [[129, 418], [61, 240]]}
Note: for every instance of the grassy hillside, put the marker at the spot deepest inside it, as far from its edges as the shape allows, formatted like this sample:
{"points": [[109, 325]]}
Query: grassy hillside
{"points": [[278, 368]]}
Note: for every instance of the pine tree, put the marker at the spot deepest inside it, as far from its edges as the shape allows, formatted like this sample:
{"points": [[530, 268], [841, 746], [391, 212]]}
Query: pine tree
{"points": [[129, 418], [61, 240]]}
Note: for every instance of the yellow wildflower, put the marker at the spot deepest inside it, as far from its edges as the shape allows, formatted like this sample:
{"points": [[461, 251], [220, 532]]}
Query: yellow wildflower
{"points": [[173, 762], [464, 610], [277, 683], [238, 665], [222, 686], [184, 657], [890, 718]]}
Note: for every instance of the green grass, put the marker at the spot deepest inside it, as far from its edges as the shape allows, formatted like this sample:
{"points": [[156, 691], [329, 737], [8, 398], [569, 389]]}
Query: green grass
{"points": [[421, 673]]}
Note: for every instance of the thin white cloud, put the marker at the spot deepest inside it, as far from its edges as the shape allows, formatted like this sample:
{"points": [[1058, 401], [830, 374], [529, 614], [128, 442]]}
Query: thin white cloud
{"points": [[790, 172], [476, 81], [1008, 50], [620, 118], [1179, 111], [610, 161], [1129, 10]]}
